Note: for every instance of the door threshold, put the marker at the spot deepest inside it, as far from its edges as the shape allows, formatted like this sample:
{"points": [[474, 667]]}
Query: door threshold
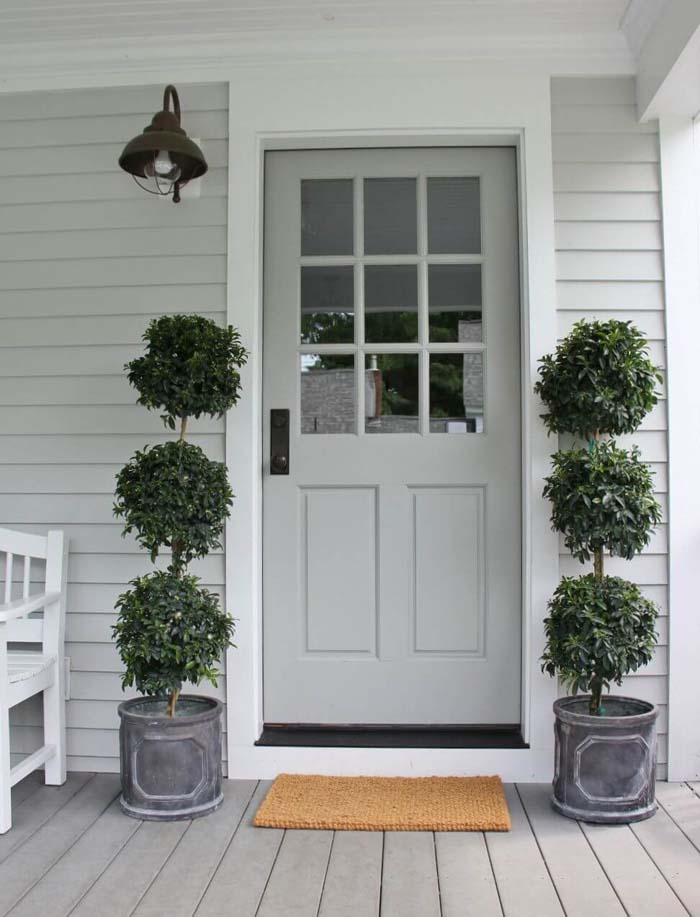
{"points": [[387, 736]]}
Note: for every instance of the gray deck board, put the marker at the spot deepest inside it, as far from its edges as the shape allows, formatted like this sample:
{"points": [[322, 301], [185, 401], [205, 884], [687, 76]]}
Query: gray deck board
{"points": [[181, 883], [37, 809], [72, 852], [524, 884], [642, 888], [409, 877], [251, 853], [296, 881], [674, 855], [683, 805], [354, 877], [467, 883], [27, 864], [26, 787], [117, 892], [62, 886], [583, 887]]}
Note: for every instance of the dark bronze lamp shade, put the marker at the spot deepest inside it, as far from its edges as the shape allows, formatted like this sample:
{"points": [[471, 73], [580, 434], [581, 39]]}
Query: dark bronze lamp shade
{"points": [[163, 137]]}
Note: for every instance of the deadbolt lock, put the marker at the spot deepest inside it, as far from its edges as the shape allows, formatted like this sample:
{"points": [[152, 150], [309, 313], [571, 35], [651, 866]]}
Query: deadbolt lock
{"points": [[279, 441]]}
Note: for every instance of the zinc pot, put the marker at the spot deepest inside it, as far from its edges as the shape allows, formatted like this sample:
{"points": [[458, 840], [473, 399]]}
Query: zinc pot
{"points": [[170, 766], [605, 766]]}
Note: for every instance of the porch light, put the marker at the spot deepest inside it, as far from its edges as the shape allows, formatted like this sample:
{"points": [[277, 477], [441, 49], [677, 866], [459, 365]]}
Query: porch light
{"points": [[163, 155]]}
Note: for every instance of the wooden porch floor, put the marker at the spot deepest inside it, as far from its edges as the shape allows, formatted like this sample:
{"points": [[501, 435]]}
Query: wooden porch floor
{"points": [[71, 851]]}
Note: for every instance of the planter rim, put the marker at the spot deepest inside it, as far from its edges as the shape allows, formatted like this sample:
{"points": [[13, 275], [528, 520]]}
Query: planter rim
{"points": [[562, 710], [125, 711]]}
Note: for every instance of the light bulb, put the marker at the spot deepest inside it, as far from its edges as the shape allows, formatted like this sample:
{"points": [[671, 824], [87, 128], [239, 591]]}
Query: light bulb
{"points": [[162, 167]]}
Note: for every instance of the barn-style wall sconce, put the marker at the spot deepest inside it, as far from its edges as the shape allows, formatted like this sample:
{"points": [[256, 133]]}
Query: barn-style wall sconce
{"points": [[163, 155]]}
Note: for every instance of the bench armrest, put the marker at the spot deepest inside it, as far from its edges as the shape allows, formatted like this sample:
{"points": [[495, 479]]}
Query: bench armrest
{"points": [[21, 607]]}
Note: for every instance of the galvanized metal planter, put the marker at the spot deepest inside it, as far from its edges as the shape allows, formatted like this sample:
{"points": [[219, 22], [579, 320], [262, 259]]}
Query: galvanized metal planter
{"points": [[605, 766], [170, 766]]}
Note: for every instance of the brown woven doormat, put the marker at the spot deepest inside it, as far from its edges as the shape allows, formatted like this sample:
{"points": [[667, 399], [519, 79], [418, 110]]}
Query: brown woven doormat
{"points": [[385, 804]]}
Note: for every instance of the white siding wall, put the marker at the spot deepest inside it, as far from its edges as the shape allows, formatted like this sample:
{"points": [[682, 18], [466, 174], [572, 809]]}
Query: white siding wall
{"points": [[609, 265], [86, 260]]}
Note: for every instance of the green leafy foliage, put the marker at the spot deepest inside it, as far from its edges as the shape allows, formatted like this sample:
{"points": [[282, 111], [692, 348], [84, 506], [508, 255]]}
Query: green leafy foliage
{"points": [[597, 631], [602, 497], [172, 495], [170, 631], [599, 380], [190, 368]]}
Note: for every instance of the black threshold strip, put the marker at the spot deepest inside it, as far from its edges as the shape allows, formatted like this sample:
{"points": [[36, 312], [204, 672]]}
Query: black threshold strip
{"points": [[356, 736]]}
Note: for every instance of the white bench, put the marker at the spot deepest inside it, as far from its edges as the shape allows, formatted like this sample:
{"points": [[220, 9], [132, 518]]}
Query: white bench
{"points": [[26, 673]]}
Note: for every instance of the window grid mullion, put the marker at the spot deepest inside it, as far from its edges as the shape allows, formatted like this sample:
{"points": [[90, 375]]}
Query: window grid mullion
{"points": [[423, 364], [359, 301]]}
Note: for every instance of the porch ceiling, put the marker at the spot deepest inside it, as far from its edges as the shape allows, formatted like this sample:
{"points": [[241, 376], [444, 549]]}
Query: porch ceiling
{"points": [[456, 28], [61, 20]]}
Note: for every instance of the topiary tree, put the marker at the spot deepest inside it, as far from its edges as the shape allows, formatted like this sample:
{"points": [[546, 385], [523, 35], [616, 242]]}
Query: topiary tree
{"points": [[171, 630], [599, 383]]}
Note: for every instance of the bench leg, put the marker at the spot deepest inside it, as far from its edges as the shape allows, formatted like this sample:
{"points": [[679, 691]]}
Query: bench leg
{"points": [[55, 730], [5, 789]]}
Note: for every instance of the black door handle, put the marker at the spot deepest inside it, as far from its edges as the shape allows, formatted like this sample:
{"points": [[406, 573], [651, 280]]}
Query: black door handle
{"points": [[279, 441]]}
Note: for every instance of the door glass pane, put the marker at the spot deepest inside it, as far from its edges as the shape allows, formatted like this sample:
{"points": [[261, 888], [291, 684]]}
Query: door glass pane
{"points": [[327, 393], [326, 216], [327, 305], [454, 216], [390, 216], [456, 392], [454, 297], [391, 303], [391, 393]]}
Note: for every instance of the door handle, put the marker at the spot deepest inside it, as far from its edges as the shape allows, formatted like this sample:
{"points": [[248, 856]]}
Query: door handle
{"points": [[279, 441]]}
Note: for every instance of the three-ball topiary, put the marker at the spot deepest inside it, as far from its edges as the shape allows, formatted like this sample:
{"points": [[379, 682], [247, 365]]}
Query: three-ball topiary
{"points": [[170, 630], [599, 382]]}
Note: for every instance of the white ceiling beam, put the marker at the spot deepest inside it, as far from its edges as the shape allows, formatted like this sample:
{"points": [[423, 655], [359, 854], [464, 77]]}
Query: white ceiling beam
{"points": [[668, 61]]}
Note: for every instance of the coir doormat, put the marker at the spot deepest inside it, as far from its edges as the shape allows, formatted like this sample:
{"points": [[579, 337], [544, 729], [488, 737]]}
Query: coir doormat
{"points": [[385, 804]]}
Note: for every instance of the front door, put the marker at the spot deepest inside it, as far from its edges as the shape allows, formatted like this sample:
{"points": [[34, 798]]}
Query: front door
{"points": [[392, 523]]}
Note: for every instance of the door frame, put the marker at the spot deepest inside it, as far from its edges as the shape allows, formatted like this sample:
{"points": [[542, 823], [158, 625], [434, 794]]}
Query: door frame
{"points": [[298, 113]]}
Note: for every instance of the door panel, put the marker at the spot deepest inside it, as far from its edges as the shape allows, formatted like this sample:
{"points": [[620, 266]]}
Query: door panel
{"points": [[392, 542]]}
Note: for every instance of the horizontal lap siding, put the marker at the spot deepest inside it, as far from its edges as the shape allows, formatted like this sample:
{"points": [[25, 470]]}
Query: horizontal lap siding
{"points": [[609, 265], [87, 259]]}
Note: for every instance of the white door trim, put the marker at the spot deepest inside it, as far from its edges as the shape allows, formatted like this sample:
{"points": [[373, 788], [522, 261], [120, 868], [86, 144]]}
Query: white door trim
{"points": [[398, 104]]}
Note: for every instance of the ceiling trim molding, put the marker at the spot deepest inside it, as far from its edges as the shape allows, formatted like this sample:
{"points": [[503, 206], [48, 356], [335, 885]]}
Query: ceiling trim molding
{"points": [[54, 65], [639, 20], [668, 66]]}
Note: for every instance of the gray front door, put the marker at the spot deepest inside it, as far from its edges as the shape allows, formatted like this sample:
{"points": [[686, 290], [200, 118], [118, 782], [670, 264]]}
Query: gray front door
{"points": [[392, 548]]}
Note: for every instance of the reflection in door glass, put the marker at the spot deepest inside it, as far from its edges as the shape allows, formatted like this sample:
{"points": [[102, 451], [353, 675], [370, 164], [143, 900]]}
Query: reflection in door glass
{"points": [[391, 216], [327, 305], [456, 392], [454, 302], [327, 393], [391, 303], [326, 216], [454, 216], [391, 393]]}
